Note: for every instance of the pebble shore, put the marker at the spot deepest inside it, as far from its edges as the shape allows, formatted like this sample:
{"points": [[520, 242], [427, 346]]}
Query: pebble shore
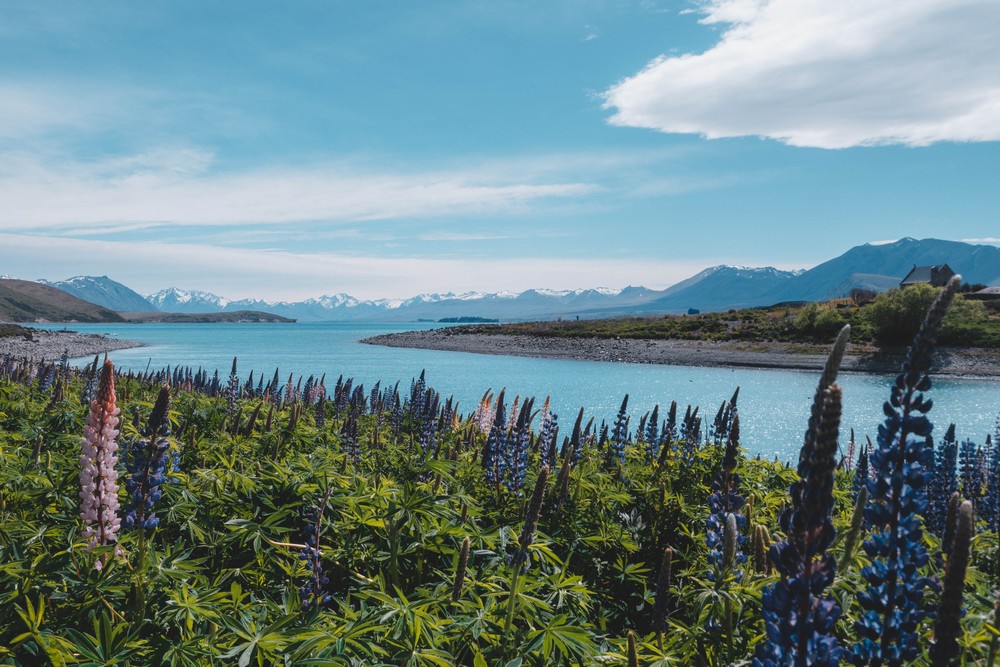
{"points": [[45, 344], [952, 362]]}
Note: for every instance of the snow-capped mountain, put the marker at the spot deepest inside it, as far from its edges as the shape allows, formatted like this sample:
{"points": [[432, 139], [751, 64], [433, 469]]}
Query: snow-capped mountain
{"points": [[173, 300], [539, 303], [103, 291]]}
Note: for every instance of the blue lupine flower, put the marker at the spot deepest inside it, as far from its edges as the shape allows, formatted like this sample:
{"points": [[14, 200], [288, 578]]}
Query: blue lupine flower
{"points": [[971, 473], [725, 500], [619, 435], [146, 461], [313, 591], [350, 444], [652, 435], [893, 600], [516, 451], [798, 618], [943, 482], [496, 443]]}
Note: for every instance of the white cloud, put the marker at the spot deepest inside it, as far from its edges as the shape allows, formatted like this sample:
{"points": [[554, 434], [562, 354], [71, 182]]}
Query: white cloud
{"points": [[178, 187], [274, 274], [829, 74], [990, 240]]}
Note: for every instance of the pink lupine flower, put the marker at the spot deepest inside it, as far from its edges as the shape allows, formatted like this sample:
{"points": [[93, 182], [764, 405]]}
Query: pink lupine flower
{"points": [[98, 463]]}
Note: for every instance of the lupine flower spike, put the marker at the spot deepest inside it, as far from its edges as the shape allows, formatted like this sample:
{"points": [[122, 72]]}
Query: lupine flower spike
{"points": [[947, 627], [463, 564], [147, 467], [893, 601], [313, 592], [98, 462], [799, 619]]}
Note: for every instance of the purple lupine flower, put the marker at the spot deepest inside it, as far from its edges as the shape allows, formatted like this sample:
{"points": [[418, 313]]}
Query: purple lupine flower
{"points": [[98, 462]]}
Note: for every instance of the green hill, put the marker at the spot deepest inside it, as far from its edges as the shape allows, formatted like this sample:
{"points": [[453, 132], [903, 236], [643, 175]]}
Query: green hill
{"points": [[26, 301]]}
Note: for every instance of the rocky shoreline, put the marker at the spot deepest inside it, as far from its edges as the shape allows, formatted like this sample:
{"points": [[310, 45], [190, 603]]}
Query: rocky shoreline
{"points": [[953, 362], [46, 344]]}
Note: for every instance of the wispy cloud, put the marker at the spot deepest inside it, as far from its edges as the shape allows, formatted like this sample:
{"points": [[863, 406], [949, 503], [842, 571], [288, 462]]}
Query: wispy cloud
{"points": [[829, 75], [176, 187], [278, 274], [988, 240]]}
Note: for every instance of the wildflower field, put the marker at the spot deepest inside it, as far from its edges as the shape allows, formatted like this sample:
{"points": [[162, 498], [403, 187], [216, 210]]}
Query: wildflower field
{"points": [[178, 518]]}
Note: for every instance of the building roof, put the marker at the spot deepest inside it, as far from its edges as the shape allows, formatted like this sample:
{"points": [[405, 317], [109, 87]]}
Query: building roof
{"points": [[928, 274]]}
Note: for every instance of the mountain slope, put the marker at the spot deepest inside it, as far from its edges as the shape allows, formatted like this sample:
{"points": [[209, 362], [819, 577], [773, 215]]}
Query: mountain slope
{"points": [[25, 301], [103, 291], [884, 265]]}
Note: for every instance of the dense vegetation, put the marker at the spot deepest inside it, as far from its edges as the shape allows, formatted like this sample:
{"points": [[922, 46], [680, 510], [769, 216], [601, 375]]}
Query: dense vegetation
{"points": [[279, 523], [891, 318]]}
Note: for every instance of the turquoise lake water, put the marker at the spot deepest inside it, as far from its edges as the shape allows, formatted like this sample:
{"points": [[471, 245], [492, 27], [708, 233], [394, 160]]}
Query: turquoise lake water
{"points": [[774, 405]]}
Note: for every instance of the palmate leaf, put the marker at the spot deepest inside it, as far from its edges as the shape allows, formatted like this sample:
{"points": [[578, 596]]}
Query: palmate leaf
{"points": [[109, 645], [561, 640], [263, 642]]}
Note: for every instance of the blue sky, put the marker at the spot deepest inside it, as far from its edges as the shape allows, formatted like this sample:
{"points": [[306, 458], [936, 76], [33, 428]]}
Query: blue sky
{"points": [[288, 150]]}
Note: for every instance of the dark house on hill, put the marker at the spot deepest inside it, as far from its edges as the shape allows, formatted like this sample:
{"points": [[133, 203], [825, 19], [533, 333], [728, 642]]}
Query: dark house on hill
{"points": [[937, 276]]}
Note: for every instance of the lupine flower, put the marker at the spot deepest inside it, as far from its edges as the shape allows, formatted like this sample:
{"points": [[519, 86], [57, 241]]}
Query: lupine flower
{"points": [[463, 563], [93, 372], [989, 508], [98, 462], [947, 625], [233, 389], [495, 444], [619, 435], [661, 603], [968, 463], [893, 600], [531, 516], [515, 454], [944, 481], [313, 591], [652, 434], [146, 463], [725, 500], [349, 437], [798, 618], [861, 473]]}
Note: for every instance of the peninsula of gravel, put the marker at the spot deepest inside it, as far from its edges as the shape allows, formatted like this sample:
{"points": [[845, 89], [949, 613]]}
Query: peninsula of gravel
{"points": [[23, 342], [862, 358]]}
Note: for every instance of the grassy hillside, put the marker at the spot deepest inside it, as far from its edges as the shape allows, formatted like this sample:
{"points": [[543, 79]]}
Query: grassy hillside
{"points": [[26, 301], [891, 319]]}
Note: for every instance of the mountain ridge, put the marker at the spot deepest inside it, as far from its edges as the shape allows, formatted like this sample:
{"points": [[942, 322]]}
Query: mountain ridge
{"points": [[874, 267]]}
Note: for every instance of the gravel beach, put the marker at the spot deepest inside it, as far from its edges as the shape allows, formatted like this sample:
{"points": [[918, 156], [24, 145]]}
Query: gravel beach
{"points": [[952, 362], [45, 344]]}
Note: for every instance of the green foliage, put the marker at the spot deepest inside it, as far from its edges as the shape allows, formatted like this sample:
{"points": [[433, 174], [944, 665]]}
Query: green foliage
{"points": [[217, 581]]}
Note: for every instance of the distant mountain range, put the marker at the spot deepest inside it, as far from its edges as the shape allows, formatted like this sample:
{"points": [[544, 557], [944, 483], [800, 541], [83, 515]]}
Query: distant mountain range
{"points": [[872, 267]]}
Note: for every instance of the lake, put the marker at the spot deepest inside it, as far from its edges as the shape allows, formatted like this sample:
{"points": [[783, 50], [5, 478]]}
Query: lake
{"points": [[774, 404]]}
